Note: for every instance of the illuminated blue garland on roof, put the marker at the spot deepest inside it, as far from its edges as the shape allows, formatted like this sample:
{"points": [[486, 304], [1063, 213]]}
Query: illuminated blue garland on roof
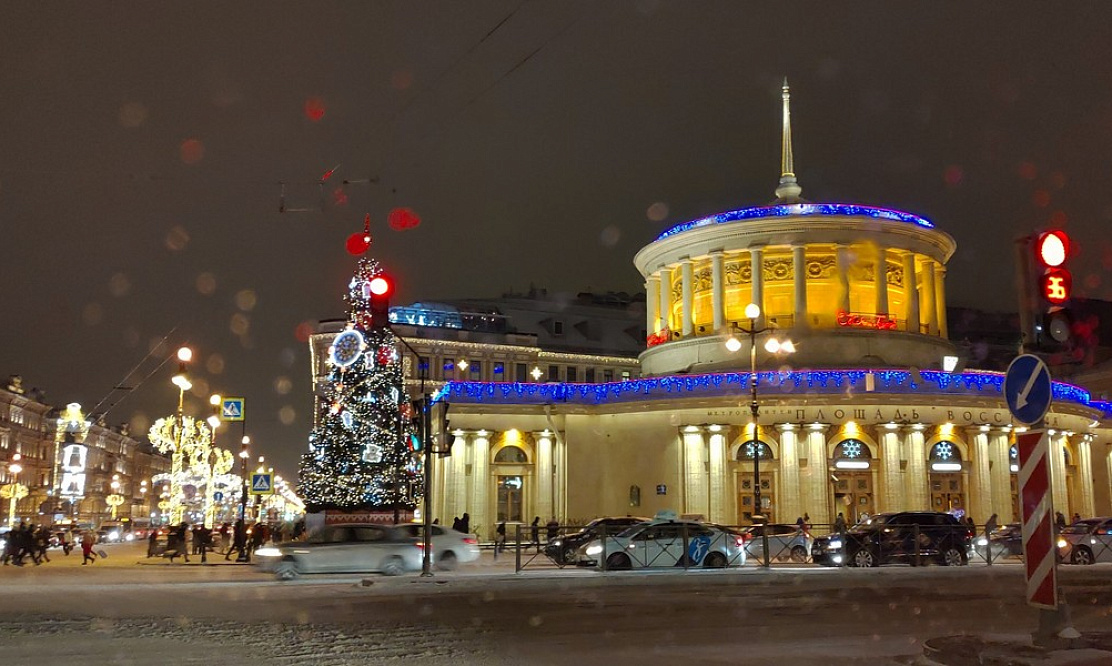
{"points": [[848, 382], [785, 210]]}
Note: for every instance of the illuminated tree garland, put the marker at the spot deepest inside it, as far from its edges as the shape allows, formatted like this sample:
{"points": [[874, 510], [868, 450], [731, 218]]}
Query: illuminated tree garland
{"points": [[360, 455]]}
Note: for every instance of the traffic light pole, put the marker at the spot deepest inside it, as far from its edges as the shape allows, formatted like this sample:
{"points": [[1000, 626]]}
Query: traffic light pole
{"points": [[426, 454], [1023, 280]]}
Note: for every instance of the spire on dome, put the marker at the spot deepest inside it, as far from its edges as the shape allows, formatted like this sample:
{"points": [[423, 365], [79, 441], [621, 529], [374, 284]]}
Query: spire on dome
{"points": [[788, 190]]}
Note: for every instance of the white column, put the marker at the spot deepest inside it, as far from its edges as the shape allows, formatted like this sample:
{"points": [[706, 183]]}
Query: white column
{"points": [[1000, 475], [756, 278], [652, 304], [1085, 471], [892, 494], [842, 264], [718, 290], [980, 482], [1057, 461], [917, 494], [695, 470], [719, 486], [815, 478], [560, 492], [799, 275], [880, 280], [480, 485], [940, 298], [790, 499], [927, 305], [911, 292], [545, 466], [456, 478], [666, 299], [688, 307]]}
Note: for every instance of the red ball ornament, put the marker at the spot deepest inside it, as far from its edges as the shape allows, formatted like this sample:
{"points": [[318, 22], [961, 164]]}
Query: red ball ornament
{"points": [[385, 355], [401, 219], [358, 243]]}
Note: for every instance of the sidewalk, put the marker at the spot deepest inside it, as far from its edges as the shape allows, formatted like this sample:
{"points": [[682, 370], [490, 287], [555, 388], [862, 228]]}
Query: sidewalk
{"points": [[1094, 649]]}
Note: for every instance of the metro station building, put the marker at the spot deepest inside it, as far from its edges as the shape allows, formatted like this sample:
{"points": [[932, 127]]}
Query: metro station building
{"points": [[873, 411]]}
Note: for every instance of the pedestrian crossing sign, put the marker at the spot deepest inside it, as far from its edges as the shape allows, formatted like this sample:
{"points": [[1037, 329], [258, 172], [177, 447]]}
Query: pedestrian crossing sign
{"points": [[262, 484], [231, 409]]}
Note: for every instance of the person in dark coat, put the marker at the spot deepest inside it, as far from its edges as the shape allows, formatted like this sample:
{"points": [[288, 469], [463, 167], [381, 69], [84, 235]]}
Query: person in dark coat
{"points": [[500, 540], [553, 529], [152, 542], [239, 540], [465, 524], [535, 533]]}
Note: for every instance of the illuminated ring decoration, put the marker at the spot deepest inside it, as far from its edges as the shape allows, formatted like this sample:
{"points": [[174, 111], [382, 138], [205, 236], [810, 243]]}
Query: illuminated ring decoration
{"points": [[347, 347]]}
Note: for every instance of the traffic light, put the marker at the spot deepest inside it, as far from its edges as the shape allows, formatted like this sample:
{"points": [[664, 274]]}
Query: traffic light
{"points": [[1054, 285], [381, 288]]}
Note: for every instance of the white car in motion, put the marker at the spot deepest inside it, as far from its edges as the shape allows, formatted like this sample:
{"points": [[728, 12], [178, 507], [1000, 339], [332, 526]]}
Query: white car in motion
{"points": [[370, 548], [666, 542]]}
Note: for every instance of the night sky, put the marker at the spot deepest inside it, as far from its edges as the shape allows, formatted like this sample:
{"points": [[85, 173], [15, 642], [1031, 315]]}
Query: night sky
{"points": [[141, 147]]}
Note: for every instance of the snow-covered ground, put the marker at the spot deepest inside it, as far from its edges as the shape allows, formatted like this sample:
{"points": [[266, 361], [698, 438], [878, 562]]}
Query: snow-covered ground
{"points": [[129, 610]]}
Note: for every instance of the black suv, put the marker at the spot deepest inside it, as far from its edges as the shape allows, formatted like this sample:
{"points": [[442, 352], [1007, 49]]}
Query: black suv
{"points": [[907, 537], [562, 549]]}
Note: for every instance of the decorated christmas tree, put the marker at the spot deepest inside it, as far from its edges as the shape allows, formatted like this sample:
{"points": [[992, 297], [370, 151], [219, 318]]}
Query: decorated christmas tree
{"points": [[361, 453]]}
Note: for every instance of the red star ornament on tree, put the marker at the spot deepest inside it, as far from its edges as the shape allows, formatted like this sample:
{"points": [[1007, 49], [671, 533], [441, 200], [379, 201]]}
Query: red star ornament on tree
{"points": [[358, 243]]}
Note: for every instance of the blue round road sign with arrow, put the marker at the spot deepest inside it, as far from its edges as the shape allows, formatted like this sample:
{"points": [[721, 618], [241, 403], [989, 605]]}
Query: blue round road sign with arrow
{"points": [[1027, 388]]}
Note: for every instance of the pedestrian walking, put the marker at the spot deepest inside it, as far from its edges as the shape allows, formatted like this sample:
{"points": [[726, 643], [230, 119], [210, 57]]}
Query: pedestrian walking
{"points": [[553, 529], [239, 541], [535, 533], [42, 544], [178, 545], [500, 540], [152, 542], [991, 524], [807, 523], [1076, 518], [455, 524], [225, 537], [1059, 521], [465, 523], [88, 540]]}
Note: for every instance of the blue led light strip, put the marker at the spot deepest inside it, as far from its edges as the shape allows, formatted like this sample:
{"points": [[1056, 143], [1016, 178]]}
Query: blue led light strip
{"points": [[803, 382], [785, 210]]}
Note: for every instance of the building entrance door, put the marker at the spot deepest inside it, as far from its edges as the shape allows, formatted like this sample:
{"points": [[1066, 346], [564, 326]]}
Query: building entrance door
{"points": [[948, 494], [853, 495], [745, 497]]}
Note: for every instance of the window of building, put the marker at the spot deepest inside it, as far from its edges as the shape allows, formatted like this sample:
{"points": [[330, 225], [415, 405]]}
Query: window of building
{"points": [[589, 375], [521, 372], [553, 373], [511, 455], [747, 450], [625, 375], [571, 373], [475, 369], [608, 375], [499, 372], [557, 327], [422, 366], [449, 366]]}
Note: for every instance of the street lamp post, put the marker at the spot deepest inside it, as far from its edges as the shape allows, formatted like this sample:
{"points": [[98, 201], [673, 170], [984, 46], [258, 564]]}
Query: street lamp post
{"points": [[181, 380], [115, 499], [773, 346], [244, 552], [15, 491]]}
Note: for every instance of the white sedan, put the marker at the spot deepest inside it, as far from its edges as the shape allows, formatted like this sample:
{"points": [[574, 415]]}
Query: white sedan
{"points": [[667, 543], [449, 547], [387, 549]]}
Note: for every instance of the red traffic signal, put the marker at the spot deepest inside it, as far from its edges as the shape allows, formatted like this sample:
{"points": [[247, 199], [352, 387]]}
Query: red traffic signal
{"points": [[1052, 248], [1055, 285], [382, 288]]}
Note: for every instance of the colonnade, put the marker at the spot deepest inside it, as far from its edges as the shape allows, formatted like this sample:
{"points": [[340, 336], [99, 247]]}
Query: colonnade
{"points": [[671, 292]]}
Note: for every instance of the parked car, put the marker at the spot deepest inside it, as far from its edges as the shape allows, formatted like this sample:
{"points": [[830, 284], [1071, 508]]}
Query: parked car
{"points": [[1004, 541], [1086, 541], [449, 547], [907, 537], [369, 548], [564, 549], [666, 542], [785, 542]]}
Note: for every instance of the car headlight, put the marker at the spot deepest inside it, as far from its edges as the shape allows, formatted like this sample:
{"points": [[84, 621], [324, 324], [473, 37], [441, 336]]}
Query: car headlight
{"points": [[835, 543], [556, 543], [982, 541], [1062, 543], [129, 537], [114, 535], [268, 552], [594, 549]]}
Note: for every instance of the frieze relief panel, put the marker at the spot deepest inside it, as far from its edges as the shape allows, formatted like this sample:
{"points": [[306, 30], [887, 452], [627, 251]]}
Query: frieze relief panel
{"points": [[777, 270], [738, 272], [703, 280], [895, 275], [821, 268]]}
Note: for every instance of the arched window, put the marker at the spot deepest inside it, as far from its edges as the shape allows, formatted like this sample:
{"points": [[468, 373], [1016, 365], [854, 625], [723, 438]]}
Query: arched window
{"points": [[747, 450], [851, 454], [511, 455], [945, 457]]}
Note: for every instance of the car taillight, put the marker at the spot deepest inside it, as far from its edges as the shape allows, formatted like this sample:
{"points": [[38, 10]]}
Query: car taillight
{"points": [[741, 542], [420, 545], [471, 541]]}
